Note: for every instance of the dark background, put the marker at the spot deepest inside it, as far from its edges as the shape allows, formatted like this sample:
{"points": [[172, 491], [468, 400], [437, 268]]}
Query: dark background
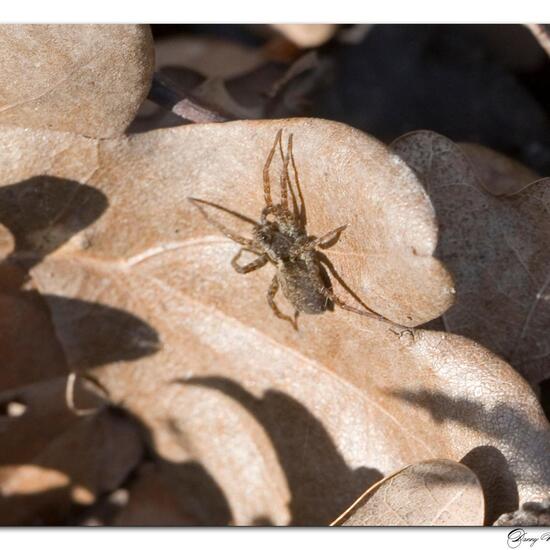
{"points": [[484, 83]]}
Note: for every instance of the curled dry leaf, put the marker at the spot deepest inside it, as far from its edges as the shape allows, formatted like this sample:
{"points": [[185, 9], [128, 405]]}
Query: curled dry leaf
{"points": [[88, 79], [495, 246], [284, 426], [431, 493], [529, 514], [306, 35]]}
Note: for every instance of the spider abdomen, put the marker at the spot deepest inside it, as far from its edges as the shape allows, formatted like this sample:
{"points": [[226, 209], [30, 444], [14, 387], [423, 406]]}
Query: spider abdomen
{"points": [[301, 283]]}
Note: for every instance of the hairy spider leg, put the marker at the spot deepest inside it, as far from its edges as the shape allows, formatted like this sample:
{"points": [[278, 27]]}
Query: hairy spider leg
{"points": [[260, 261], [224, 209], [285, 178], [323, 242], [273, 288], [267, 184], [300, 215], [366, 311], [248, 243], [288, 184]]}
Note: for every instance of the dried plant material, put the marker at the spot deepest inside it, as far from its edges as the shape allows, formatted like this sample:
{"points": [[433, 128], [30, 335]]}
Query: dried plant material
{"points": [[87, 79], [52, 459], [306, 35], [30, 349], [156, 498], [495, 246], [531, 514], [265, 424], [542, 34], [211, 57], [432, 493], [498, 174], [271, 90]]}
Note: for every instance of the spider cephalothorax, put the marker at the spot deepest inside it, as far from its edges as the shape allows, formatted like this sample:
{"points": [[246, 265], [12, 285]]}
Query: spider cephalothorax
{"points": [[280, 238]]}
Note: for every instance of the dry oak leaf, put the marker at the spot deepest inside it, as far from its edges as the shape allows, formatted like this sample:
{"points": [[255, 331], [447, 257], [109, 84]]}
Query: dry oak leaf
{"points": [[87, 79], [53, 460], [494, 232], [287, 427], [431, 493]]}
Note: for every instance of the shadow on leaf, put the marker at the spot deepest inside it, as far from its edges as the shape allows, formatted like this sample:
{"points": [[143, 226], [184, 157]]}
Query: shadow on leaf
{"points": [[320, 481], [502, 422], [43, 336]]}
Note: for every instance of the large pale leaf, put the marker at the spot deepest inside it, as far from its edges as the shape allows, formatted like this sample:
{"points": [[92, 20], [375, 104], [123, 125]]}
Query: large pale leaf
{"points": [[89, 79], [287, 426], [494, 231]]}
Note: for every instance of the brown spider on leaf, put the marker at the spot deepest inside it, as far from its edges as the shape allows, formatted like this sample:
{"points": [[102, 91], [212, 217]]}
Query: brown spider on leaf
{"points": [[283, 241]]}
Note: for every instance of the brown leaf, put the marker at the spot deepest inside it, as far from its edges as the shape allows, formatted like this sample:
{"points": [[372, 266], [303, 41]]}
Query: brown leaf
{"points": [[495, 246], [52, 459], [286, 426], [87, 79], [159, 497], [497, 173], [431, 493]]}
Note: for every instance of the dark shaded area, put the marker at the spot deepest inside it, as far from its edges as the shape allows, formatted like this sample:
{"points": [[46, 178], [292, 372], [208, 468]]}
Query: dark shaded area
{"points": [[320, 481], [484, 83], [43, 213], [94, 334], [493, 472], [445, 78]]}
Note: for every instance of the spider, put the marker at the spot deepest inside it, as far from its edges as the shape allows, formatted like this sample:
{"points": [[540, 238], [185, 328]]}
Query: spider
{"points": [[280, 238]]}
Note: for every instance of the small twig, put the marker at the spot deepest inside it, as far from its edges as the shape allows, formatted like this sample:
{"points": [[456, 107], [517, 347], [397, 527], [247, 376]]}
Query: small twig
{"points": [[165, 93], [542, 34], [69, 398]]}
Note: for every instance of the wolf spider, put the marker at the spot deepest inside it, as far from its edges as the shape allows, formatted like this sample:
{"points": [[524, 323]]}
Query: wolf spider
{"points": [[284, 242]]}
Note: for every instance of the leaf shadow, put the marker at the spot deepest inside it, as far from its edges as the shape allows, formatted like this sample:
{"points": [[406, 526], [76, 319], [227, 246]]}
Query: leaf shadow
{"points": [[320, 481], [504, 422], [42, 214], [499, 286]]}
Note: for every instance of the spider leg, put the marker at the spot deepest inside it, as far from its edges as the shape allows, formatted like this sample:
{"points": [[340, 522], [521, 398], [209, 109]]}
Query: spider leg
{"points": [[260, 261], [328, 293], [284, 178], [223, 209], [299, 214], [273, 288], [267, 184], [222, 228], [324, 241]]}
